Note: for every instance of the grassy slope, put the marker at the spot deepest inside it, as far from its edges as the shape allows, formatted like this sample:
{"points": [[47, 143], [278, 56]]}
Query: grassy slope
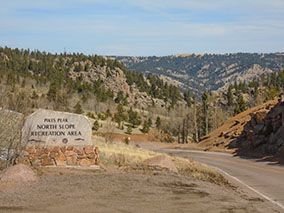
{"points": [[120, 155]]}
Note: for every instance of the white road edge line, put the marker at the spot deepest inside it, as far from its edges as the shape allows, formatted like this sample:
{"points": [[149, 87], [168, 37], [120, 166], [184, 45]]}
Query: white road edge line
{"points": [[227, 174], [197, 151], [254, 190]]}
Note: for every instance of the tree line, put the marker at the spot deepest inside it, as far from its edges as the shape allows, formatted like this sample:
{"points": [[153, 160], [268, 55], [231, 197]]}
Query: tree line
{"points": [[17, 66]]}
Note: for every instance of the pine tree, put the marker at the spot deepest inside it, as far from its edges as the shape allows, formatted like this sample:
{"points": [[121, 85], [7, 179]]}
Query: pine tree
{"points": [[271, 93], [96, 125], [195, 120], [230, 96], [149, 122], [255, 93], [158, 123], [187, 98], [78, 108], [119, 116], [129, 130], [240, 105], [146, 127], [205, 114], [53, 91], [133, 118]]}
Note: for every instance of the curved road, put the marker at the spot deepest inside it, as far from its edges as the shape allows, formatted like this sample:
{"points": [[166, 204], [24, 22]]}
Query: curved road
{"points": [[264, 178]]}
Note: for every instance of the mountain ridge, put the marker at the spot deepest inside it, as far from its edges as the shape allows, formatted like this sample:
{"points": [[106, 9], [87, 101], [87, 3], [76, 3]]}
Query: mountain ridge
{"points": [[198, 72]]}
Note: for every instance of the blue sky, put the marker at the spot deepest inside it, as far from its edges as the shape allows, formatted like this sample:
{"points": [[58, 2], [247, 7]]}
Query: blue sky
{"points": [[143, 28]]}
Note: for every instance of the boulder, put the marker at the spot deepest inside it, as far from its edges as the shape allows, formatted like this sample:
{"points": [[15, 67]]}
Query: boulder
{"points": [[161, 161], [53, 128], [19, 173]]}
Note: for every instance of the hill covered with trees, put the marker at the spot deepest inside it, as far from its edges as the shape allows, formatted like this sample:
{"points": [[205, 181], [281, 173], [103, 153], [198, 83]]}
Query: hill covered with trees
{"points": [[197, 72], [57, 79], [104, 88]]}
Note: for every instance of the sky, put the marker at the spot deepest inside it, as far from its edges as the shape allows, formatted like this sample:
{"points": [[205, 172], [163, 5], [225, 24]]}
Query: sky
{"points": [[143, 27]]}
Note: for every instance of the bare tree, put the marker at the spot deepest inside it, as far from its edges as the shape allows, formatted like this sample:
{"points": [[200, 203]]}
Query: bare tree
{"points": [[10, 134], [109, 130], [195, 120]]}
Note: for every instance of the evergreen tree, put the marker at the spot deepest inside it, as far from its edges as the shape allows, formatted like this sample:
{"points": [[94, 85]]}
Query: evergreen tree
{"points": [[240, 105], [146, 127], [78, 108], [255, 93], [187, 98], [195, 119], [53, 91], [271, 93], [230, 96], [149, 122], [108, 113], [205, 114], [158, 123], [96, 125], [129, 130], [119, 116], [133, 118]]}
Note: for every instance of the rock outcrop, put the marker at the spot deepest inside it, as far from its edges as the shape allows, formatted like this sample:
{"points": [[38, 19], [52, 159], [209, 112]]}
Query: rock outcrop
{"points": [[116, 81], [232, 131], [264, 133], [257, 132]]}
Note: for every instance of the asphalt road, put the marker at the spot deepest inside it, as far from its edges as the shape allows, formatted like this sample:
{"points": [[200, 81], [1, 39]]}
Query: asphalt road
{"points": [[263, 178]]}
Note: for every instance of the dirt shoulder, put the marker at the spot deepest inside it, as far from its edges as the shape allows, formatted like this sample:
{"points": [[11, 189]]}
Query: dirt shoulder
{"points": [[73, 190]]}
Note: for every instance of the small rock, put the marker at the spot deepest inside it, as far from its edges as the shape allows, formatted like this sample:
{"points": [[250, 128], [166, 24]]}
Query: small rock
{"points": [[72, 160], [60, 157], [70, 153], [89, 149], [60, 162], [70, 148], [31, 149], [47, 162], [86, 162]]}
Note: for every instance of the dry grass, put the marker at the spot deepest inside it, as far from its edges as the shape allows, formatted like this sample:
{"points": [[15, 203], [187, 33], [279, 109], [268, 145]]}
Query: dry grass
{"points": [[199, 171], [118, 154]]}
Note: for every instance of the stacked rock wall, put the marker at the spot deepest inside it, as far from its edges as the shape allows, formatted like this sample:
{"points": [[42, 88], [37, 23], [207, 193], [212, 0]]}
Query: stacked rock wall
{"points": [[60, 156]]}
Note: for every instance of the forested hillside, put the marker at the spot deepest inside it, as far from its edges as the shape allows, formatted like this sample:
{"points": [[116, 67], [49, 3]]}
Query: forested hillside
{"points": [[59, 78], [104, 88], [208, 71]]}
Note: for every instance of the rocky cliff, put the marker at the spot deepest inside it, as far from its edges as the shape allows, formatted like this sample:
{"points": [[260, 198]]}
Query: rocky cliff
{"points": [[264, 133], [257, 132]]}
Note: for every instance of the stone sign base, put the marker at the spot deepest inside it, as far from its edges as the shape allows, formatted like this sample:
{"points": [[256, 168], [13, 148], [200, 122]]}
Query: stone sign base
{"points": [[60, 156]]}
